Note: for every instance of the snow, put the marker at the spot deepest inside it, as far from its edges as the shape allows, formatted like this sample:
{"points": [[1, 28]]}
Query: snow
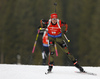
{"points": [[10, 71]]}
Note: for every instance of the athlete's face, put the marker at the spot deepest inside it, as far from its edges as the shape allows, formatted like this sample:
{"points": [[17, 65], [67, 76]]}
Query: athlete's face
{"points": [[54, 20]]}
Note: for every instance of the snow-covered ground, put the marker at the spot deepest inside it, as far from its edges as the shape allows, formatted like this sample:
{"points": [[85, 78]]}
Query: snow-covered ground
{"points": [[8, 71]]}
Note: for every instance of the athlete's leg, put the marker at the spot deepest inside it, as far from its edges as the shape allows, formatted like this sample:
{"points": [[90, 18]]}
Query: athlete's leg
{"points": [[64, 47], [52, 51]]}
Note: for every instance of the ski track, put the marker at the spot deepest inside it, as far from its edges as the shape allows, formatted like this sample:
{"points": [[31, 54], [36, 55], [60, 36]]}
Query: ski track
{"points": [[13, 71]]}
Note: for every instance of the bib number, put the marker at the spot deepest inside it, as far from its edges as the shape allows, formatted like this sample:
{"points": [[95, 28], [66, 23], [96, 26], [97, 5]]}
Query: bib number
{"points": [[53, 32]]}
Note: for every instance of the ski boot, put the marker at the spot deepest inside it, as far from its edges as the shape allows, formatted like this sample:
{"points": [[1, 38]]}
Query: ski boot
{"points": [[50, 68], [78, 66]]}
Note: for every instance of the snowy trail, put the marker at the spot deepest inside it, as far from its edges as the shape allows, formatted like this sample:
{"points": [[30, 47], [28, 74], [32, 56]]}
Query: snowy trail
{"points": [[8, 71]]}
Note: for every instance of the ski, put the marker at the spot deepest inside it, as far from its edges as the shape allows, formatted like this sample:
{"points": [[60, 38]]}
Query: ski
{"points": [[47, 73], [89, 73]]}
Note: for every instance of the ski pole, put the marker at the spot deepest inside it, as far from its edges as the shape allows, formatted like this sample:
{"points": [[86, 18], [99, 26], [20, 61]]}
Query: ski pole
{"points": [[56, 50], [36, 40], [66, 38]]}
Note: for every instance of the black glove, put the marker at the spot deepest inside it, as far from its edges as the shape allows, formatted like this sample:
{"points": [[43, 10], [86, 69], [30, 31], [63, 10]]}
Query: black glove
{"points": [[44, 21], [64, 32]]}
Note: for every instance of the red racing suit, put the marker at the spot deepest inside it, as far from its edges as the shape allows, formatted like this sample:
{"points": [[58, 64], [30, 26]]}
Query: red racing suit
{"points": [[45, 39], [55, 30]]}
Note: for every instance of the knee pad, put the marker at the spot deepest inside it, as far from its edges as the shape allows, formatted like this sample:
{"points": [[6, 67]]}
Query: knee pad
{"points": [[51, 42], [64, 45], [68, 53], [51, 53]]}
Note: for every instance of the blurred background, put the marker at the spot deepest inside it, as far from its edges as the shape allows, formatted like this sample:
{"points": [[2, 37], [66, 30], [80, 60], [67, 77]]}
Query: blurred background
{"points": [[19, 20]]}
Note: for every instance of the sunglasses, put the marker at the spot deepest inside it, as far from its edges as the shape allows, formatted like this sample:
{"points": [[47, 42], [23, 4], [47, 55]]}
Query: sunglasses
{"points": [[54, 19]]}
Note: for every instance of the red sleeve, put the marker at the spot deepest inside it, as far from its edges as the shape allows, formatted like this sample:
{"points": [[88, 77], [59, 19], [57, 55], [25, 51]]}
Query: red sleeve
{"points": [[66, 27], [41, 23]]}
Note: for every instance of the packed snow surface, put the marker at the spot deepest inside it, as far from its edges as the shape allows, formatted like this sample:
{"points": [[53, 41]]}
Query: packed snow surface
{"points": [[8, 71]]}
